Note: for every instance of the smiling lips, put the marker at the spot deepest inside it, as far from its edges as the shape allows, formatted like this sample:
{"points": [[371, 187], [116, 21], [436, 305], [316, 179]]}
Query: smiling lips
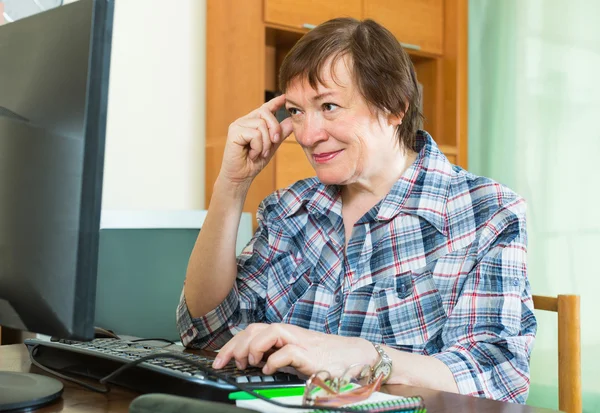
{"points": [[325, 156]]}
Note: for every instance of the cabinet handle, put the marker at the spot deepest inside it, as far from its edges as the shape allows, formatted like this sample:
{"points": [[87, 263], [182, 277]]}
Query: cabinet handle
{"points": [[309, 26], [410, 46]]}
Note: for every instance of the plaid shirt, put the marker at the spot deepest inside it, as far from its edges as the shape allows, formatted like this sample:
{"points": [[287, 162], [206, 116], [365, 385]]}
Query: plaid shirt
{"points": [[438, 267]]}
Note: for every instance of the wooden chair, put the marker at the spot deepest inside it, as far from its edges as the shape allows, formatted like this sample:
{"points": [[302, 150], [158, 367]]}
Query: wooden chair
{"points": [[569, 348]]}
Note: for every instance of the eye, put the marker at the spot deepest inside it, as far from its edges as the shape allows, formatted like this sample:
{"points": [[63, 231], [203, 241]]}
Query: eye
{"points": [[328, 107], [293, 111]]}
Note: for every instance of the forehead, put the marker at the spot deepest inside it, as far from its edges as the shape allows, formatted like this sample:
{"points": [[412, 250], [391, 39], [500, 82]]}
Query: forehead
{"points": [[335, 75]]}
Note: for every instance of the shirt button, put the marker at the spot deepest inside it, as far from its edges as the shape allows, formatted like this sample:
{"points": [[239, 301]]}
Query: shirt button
{"points": [[338, 298], [515, 281], [190, 332]]}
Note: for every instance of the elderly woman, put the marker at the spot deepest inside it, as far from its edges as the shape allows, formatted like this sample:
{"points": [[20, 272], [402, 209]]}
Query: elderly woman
{"points": [[390, 257]]}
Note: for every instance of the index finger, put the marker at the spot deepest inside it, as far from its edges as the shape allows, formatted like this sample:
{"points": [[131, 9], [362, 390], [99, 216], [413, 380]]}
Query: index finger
{"points": [[275, 103], [225, 353], [273, 337], [267, 113], [237, 346]]}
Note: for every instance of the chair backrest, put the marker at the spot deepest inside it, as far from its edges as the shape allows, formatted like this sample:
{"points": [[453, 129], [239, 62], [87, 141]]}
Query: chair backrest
{"points": [[569, 348]]}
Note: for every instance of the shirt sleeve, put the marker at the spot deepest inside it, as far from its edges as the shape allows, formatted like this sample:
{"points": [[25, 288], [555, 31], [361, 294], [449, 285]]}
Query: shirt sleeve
{"points": [[244, 304], [488, 337]]}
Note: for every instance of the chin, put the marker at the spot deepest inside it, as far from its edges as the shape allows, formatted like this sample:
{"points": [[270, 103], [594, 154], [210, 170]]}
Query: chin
{"points": [[331, 179]]}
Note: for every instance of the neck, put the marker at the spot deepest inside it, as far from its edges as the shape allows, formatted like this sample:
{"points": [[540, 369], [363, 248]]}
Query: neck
{"points": [[377, 185]]}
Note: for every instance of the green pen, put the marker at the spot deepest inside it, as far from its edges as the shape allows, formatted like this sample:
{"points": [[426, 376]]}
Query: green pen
{"points": [[269, 393]]}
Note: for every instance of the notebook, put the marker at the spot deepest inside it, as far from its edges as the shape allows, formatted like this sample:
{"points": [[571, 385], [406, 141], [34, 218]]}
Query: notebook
{"points": [[378, 402]]}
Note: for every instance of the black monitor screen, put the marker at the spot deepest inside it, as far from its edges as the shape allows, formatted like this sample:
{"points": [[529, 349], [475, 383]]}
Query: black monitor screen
{"points": [[54, 70]]}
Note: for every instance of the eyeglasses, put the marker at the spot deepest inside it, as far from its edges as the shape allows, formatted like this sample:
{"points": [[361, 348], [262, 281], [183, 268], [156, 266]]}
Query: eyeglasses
{"points": [[355, 384]]}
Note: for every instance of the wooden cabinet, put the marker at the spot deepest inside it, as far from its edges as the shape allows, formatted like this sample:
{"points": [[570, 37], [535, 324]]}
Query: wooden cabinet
{"points": [[247, 41], [305, 14], [418, 24]]}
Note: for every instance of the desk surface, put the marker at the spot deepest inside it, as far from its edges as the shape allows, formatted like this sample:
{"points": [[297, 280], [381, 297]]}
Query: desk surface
{"points": [[76, 399]]}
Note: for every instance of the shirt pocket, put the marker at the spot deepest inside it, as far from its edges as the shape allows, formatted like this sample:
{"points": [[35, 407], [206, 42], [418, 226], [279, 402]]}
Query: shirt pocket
{"points": [[288, 282], [409, 310]]}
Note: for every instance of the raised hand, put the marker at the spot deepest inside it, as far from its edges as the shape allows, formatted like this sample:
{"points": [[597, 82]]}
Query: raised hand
{"points": [[251, 142]]}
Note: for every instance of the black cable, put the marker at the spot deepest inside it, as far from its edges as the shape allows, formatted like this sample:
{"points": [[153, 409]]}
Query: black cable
{"points": [[104, 390], [164, 340]]}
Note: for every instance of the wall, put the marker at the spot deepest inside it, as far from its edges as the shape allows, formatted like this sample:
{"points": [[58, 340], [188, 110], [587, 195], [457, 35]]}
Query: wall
{"points": [[156, 112], [534, 100], [156, 116]]}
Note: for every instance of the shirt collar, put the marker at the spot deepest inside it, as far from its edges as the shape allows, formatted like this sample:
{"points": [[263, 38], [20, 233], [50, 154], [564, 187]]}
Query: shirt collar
{"points": [[422, 190], [325, 199], [313, 195]]}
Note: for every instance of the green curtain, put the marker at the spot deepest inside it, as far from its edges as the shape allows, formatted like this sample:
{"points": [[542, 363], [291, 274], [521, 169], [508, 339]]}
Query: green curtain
{"points": [[534, 125]]}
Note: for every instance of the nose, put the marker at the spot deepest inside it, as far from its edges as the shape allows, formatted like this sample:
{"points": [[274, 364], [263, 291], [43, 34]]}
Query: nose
{"points": [[312, 130]]}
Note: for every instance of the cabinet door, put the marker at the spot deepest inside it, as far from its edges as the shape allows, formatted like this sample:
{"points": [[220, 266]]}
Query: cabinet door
{"points": [[309, 13], [291, 164], [419, 24]]}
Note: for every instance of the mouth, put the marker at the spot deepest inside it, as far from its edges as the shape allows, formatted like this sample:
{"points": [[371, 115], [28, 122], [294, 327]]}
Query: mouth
{"points": [[325, 157]]}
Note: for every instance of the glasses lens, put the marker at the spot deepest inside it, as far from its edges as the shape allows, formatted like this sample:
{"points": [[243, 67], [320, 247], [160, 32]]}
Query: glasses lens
{"points": [[354, 385], [319, 384]]}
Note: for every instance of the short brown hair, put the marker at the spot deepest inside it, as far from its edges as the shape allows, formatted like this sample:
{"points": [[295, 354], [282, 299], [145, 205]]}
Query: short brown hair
{"points": [[381, 69]]}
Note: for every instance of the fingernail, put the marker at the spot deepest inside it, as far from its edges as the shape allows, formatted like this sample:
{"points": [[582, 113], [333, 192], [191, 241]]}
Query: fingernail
{"points": [[265, 154], [251, 359], [276, 138], [218, 363], [238, 365]]}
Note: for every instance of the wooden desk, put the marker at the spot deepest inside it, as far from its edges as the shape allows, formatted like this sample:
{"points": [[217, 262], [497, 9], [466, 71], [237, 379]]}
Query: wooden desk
{"points": [[75, 399]]}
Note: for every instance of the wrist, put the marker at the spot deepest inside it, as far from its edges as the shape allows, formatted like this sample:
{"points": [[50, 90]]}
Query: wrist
{"points": [[237, 190], [366, 352]]}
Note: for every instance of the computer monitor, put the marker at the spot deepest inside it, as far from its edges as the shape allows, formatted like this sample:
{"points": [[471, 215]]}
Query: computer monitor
{"points": [[54, 69]]}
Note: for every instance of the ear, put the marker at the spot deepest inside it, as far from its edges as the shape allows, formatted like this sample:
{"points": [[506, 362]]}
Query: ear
{"points": [[395, 120]]}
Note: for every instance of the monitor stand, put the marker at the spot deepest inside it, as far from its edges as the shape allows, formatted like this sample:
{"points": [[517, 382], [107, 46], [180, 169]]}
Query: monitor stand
{"points": [[27, 391]]}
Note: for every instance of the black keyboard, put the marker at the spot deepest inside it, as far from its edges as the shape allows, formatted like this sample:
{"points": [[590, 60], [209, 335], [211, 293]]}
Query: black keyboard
{"points": [[100, 357]]}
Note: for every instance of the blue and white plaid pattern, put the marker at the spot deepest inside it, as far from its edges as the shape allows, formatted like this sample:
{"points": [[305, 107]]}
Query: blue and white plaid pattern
{"points": [[438, 267]]}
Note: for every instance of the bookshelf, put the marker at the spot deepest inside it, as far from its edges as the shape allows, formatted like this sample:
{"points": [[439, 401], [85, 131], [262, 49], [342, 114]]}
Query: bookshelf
{"points": [[247, 41]]}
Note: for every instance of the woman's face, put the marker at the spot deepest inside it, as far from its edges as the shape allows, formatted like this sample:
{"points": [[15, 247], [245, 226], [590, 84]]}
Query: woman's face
{"points": [[345, 141]]}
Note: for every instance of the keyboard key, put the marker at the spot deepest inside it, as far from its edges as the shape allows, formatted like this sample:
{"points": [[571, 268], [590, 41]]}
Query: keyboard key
{"points": [[281, 377]]}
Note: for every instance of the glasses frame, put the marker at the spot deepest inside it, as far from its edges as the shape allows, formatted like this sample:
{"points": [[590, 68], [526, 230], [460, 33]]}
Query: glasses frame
{"points": [[333, 387]]}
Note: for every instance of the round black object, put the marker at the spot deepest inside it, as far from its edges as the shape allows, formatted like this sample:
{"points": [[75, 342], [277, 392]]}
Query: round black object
{"points": [[27, 391]]}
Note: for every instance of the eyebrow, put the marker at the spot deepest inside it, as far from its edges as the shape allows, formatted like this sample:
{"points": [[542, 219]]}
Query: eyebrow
{"points": [[316, 98], [321, 96]]}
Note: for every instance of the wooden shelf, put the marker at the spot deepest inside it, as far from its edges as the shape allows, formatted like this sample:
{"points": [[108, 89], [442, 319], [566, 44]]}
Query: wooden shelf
{"points": [[309, 13], [417, 22]]}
